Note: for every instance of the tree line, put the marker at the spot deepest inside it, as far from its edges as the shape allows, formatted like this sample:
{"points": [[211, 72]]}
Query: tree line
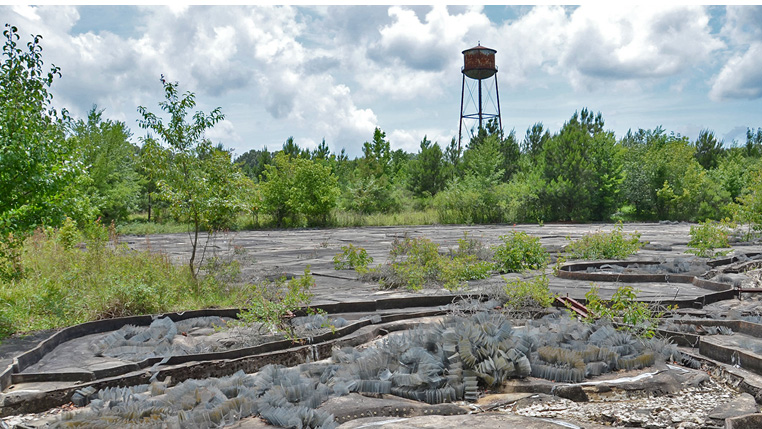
{"points": [[54, 166]]}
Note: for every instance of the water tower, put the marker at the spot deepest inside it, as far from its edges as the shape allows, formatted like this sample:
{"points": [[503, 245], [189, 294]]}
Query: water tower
{"points": [[479, 65]]}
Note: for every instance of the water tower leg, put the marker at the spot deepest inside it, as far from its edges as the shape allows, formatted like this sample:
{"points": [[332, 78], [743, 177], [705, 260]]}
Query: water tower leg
{"points": [[460, 126], [480, 105], [499, 116]]}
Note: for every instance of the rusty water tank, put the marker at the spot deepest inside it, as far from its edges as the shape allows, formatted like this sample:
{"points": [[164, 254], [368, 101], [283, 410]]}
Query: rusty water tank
{"points": [[479, 62]]}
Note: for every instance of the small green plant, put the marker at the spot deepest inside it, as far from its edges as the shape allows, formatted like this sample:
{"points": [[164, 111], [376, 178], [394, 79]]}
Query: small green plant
{"points": [[453, 272], [352, 257], [605, 245], [519, 252], [11, 267], [560, 261], [528, 294], [68, 234], [707, 236], [637, 317], [271, 303], [416, 262]]}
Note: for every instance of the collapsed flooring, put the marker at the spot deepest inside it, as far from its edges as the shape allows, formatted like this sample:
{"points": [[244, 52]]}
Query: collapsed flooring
{"points": [[546, 372]]}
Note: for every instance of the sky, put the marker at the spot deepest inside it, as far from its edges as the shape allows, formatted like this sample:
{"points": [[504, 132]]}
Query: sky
{"points": [[338, 72]]}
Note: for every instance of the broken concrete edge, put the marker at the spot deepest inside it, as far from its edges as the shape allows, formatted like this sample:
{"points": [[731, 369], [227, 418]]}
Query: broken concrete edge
{"points": [[577, 271], [748, 421], [683, 303], [24, 402], [82, 376], [685, 339], [727, 261], [728, 374], [746, 359], [12, 374]]}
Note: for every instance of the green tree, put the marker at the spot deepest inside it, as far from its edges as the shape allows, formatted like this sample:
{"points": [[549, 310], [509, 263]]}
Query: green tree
{"points": [[199, 181], [753, 143], [299, 187], [110, 160], [535, 140], [293, 150], [708, 149], [253, 162], [372, 190], [38, 170], [582, 169], [322, 152], [426, 176], [508, 147], [377, 156]]}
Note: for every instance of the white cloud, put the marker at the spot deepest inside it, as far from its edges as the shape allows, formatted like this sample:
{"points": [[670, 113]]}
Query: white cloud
{"points": [[223, 132], [409, 140], [617, 43], [740, 77]]}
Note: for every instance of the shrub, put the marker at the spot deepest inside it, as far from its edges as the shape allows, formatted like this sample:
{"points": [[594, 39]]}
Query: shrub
{"points": [[707, 236], [416, 262], [520, 251], [525, 294], [605, 245], [636, 316], [352, 257], [454, 271], [270, 303], [297, 189]]}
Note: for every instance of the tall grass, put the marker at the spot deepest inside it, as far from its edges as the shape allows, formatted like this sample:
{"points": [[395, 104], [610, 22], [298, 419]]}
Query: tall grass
{"points": [[343, 218], [63, 279], [139, 225]]}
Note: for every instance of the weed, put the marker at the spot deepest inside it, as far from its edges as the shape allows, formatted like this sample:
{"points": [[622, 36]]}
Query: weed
{"points": [[54, 284], [528, 294], [636, 316], [11, 267], [454, 271], [272, 303], [707, 236], [416, 262], [519, 252], [68, 235], [352, 257], [605, 245]]}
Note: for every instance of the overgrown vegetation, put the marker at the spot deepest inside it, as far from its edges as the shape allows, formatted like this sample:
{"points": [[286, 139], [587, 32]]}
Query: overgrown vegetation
{"points": [[526, 294], [272, 303], [605, 245], [416, 262], [519, 252], [708, 236], [87, 168], [352, 257], [61, 277], [635, 316]]}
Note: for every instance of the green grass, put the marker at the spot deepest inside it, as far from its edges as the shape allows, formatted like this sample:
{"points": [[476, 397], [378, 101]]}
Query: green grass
{"points": [[605, 245], [61, 282], [342, 218], [139, 225]]}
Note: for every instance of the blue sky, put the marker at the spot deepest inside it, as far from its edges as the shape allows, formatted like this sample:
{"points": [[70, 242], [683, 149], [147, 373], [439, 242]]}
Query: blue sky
{"points": [[337, 72]]}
